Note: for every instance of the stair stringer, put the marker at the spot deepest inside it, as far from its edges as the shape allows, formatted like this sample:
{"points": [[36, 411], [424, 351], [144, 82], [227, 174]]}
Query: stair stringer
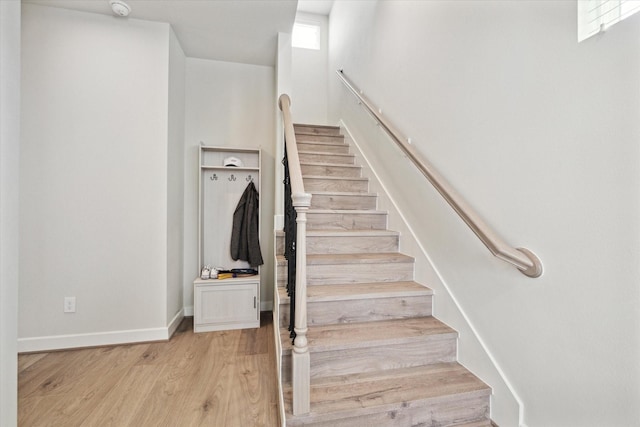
{"points": [[279, 224], [473, 353]]}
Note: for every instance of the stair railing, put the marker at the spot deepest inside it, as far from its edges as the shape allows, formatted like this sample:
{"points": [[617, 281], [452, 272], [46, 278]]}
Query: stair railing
{"points": [[525, 260], [297, 203]]}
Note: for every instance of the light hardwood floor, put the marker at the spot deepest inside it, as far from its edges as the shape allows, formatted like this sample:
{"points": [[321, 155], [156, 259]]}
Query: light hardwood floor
{"points": [[222, 378]]}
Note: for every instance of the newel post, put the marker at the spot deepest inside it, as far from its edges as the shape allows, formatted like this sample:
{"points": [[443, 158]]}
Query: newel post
{"points": [[300, 359]]}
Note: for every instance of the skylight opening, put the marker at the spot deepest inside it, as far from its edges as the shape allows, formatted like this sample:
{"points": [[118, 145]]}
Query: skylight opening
{"points": [[306, 35]]}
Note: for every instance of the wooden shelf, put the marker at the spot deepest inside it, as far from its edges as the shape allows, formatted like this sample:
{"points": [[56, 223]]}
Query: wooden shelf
{"points": [[230, 168]]}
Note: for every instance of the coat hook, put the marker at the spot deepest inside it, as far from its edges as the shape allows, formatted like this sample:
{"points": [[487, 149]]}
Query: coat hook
{"points": [[232, 178], [249, 179], [213, 177]]}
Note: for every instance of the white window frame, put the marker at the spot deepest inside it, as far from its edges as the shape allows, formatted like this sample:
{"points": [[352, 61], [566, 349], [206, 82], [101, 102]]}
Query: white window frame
{"points": [[595, 16]]}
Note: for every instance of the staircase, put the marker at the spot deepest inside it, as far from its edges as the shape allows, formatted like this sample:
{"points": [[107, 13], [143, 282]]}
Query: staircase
{"points": [[378, 357]]}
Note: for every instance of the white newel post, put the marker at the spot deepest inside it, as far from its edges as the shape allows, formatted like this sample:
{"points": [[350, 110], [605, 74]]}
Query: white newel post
{"points": [[300, 359]]}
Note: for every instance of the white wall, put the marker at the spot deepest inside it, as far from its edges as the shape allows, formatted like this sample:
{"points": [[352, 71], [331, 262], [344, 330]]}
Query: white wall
{"points": [[508, 106], [229, 105], [175, 179], [309, 95], [9, 178], [284, 83], [93, 170]]}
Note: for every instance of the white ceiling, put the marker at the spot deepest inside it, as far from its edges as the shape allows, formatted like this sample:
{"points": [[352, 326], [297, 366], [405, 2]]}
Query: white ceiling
{"points": [[242, 31], [319, 7]]}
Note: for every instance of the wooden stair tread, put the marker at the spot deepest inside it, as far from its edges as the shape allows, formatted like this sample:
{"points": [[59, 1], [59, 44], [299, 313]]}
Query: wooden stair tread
{"points": [[329, 164], [336, 178], [360, 394], [309, 125], [324, 153], [306, 132], [346, 211], [343, 193], [369, 334], [308, 141], [357, 291]]}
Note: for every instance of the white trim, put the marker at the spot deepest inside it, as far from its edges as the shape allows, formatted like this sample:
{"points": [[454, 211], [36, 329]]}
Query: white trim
{"points": [[175, 322], [61, 342], [278, 347], [188, 311], [266, 305], [278, 222], [441, 278]]}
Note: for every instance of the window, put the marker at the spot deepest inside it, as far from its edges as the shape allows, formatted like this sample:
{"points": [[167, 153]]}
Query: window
{"points": [[306, 35], [598, 15]]}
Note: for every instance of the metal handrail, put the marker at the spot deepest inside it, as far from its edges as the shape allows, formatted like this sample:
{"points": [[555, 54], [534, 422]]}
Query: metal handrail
{"points": [[525, 260]]}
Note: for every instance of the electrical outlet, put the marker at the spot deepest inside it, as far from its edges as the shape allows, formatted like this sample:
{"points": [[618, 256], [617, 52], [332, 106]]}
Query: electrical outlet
{"points": [[69, 304]]}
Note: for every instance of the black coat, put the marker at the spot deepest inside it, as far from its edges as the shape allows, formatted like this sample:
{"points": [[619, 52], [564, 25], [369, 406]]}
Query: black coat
{"points": [[245, 243]]}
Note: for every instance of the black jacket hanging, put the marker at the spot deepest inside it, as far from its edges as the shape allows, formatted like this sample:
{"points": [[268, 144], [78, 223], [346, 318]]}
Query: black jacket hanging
{"points": [[245, 243]]}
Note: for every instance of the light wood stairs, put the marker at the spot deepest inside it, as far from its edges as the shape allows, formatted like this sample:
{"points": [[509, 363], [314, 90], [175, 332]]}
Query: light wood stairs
{"points": [[378, 357]]}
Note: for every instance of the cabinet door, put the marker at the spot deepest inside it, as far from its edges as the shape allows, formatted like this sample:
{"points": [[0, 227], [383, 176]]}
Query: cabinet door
{"points": [[222, 304]]}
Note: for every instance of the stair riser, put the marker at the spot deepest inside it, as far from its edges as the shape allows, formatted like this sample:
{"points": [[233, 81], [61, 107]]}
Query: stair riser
{"points": [[348, 185], [344, 244], [419, 352], [359, 273], [442, 413], [317, 130], [323, 148], [329, 274], [280, 245], [322, 170], [351, 244], [338, 201], [342, 221], [329, 158], [320, 138], [362, 310]]}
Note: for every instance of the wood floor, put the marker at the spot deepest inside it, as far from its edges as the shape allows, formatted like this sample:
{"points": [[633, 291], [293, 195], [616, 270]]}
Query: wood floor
{"points": [[222, 378]]}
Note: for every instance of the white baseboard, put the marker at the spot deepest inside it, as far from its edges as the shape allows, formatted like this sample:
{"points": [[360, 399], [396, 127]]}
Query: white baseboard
{"points": [[61, 342], [175, 322], [188, 311]]}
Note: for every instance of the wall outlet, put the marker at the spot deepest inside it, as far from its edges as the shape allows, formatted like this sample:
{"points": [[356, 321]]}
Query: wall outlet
{"points": [[69, 304]]}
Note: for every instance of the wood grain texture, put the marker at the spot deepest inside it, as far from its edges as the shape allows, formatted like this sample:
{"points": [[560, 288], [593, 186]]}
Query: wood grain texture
{"points": [[325, 147], [219, 378], [327, 219], [434, 395], [330, 158], [301, 136], [342, 200], [330, 170], [328, 269], [351, 241], [302, 128], [361, 302], [349, 184]]}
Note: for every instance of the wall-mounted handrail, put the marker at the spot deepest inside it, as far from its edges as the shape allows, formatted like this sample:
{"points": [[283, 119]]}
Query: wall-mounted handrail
{"points": [[300, 200], [525, 260]]}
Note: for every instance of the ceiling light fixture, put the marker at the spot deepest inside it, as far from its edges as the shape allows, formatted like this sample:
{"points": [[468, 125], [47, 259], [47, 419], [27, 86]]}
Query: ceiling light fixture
{"points": [[120, 8]]}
